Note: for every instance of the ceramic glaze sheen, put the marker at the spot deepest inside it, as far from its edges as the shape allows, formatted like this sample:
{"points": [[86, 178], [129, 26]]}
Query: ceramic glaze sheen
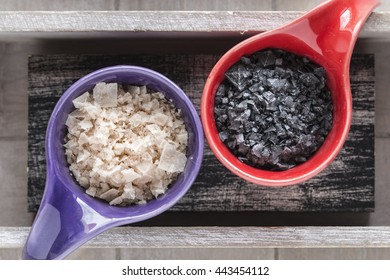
{"points": [[326, 35]]}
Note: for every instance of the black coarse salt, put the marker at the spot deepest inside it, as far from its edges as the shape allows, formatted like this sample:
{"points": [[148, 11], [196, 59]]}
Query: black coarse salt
{"points": [[273, 110]]}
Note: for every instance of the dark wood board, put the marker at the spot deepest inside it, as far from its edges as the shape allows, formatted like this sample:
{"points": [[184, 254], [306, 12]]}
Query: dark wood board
{"points": [[347, 185]]}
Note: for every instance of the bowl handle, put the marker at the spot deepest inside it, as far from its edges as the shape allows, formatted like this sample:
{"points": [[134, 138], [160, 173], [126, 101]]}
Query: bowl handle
{"points": [[333, 27], [64, 222]]}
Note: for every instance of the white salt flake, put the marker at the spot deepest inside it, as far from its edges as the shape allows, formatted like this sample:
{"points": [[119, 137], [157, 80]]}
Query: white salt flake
{"points": [[106, 95], [109, 195], [83, 139], [71, 121], [130, 175], [91, 191], [157, 188], [143, 91], [159, 119], [82, 156], [134, 90], [116, 201], [92, 111], [82, 100], [128, 192], [156, 131], [141, 181], [171, 160], [183, 138], [135, 120], [78, 113], [85, 125], [119, 148], [144, 166]]}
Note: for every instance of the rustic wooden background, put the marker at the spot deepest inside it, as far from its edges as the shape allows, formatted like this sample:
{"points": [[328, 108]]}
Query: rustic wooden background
{"points": [[13, 132]]}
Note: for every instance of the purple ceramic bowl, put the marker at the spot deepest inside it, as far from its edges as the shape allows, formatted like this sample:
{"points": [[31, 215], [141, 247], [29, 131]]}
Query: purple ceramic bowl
{"points": [[68, 217]]}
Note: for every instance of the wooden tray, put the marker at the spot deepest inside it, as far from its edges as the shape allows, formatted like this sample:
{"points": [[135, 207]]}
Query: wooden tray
{"points": [[346, 185]]}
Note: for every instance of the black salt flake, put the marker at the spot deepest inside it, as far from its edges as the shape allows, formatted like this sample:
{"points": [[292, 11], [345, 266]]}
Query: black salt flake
{"points": [[239, 76], [273, 110]]}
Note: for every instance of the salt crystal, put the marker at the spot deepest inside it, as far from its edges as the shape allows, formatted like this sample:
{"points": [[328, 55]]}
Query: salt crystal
{"points": [[106, 94], [135, 120], [119, 149], [134, 90], [143, 90], [148, 106], [104, 187], [91, 191], [159, 119], [116, 201], [157, 188], [130, 175], [83, 155], [78, 113], [83, 139], [92, 111], [156, 131], [109, 195], [81, 101], [85, 125], [116, 181], [143, 180], [183, 137], [128, 192], [144, 166], [71, 121], [171, 160], [69, 156]]}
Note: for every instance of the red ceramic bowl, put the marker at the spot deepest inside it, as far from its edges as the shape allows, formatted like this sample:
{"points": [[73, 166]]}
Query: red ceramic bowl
{"points": [[326, 35]]}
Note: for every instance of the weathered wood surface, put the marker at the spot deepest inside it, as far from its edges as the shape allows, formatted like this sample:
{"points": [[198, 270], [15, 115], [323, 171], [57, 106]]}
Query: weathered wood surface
{"points": [[346, 185], [224, 237], [161, 21]]}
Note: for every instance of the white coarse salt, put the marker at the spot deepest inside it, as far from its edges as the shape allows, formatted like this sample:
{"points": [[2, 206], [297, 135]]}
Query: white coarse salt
{"points": [[106, 95], [81, 101], [171, 160], [125, 144], [129, 175], [85, 124]]}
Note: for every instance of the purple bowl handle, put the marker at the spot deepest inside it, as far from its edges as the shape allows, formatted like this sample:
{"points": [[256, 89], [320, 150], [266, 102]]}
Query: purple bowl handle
{"points": [[63, 223]]}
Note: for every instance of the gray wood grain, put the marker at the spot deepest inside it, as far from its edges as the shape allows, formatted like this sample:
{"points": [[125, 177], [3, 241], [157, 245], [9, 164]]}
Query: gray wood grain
{"points": [[56, 5], [379, 46], [95, 254], [161, 21], [13, 102], [224, 237], [382, 193], [296, 5], [13, 174], [344, 186], [333, 254], [197, 253], [10, 253], [198, 5]]}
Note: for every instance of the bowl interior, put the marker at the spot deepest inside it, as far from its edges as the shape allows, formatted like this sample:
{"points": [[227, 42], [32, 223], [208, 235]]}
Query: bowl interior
{"points": [[128, 75]]}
